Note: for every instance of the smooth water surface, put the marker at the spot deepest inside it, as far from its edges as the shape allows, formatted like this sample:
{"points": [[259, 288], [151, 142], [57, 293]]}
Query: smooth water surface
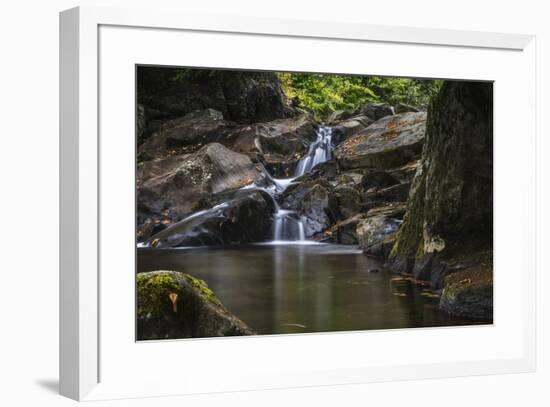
{"points": [[285, 288]]}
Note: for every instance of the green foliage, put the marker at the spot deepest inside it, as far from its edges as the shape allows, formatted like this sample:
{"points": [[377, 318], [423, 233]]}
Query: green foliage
{"points": [[326, 93]]}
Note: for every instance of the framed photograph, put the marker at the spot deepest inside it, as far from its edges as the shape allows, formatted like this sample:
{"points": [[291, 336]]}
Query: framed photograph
{"points": [[255, 203]]}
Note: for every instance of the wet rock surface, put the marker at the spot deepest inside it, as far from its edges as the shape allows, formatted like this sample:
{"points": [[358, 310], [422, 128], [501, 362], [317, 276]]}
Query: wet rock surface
{"points": [[390, 142], [376, 234], [173, 187], [176, 305], [449, 210], [246, 218]]}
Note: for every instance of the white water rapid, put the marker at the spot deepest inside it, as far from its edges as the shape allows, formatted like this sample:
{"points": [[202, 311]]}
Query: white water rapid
{"points": [[288, 226]]}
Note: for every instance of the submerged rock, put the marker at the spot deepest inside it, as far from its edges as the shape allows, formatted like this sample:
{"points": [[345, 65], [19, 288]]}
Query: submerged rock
{"points": [[387, 143], [174, 305]]}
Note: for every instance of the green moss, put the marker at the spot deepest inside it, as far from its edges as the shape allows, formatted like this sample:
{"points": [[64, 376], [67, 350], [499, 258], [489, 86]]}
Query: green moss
{"points": [[153, 292], [203, 289], [410, 240]]}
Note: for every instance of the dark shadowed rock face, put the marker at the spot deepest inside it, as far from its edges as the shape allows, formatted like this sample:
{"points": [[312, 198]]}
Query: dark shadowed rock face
{"points": [[387, 143], [344, 232], [375, 197], [403, 107], [338, 116], [469, 286], [245, 218], [376, 111], [173, 305], [348, 199], [185, 134], [450, 206], [378, 179], [243, 97], [173, 187], [315, 208]]}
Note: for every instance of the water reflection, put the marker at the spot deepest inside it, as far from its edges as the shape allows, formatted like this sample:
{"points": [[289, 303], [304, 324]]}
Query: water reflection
{"points": [[304, 288]]}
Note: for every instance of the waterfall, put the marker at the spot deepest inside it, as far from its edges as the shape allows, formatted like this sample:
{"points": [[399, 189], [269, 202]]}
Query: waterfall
{"points": [[319, 152], [289, 225]]}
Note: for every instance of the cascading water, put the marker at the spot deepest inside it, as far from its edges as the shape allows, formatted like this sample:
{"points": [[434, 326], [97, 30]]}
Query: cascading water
{"points": [[319, 152], [288, 225]]}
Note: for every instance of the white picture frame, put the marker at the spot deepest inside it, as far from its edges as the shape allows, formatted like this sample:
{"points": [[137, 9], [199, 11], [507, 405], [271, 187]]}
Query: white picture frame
{"points": [[98, 46]]}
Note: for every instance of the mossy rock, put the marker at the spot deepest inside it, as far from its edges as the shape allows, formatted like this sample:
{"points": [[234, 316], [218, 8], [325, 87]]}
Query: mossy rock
{"points": [[153, 292], [203, 289], [469, 292], [172, 305]]}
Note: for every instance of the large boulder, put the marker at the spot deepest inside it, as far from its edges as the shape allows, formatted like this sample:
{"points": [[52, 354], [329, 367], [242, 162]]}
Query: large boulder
{"points": [[246, 217], [378, 179], [294, 194], [338, 116], [185, 134], [376, 234], [344, 232], [349, 200], [375, 197], [315, 209], [376, 111], [450, 205], [403, 107], [349, 127], [387, 143], [173, 187], [174, 305], [278, 144], [314, 201], [376, 229], [241, 96]]}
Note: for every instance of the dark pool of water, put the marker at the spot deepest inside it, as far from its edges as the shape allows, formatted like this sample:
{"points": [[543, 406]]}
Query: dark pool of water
{"points": [[305, 288]]}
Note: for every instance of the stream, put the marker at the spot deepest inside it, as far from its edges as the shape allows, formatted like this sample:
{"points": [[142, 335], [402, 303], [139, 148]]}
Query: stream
{"points": [[291, 284], [294, 288]]}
